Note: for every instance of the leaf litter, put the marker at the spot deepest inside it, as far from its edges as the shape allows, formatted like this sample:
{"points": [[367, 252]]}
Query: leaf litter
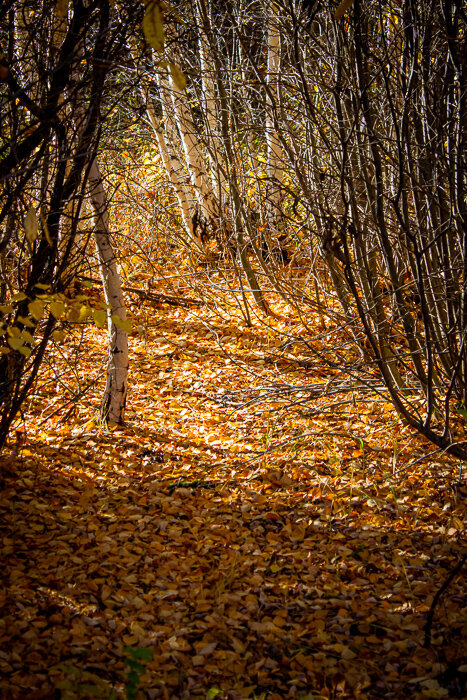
{"points": [[263, 535]]}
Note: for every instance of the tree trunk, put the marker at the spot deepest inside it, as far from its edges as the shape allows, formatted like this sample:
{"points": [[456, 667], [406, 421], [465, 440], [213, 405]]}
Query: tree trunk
{"points": [[208, 202], [116, 385], [173, 168], [275, 167]]}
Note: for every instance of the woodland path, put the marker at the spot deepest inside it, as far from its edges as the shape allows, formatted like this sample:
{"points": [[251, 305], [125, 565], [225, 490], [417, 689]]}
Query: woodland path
{"points": [[305, 572]]}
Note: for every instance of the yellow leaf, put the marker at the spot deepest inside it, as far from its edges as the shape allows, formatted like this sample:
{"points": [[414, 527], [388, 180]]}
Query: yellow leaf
{"points": [[177, 76], [342, 8], [20, 296], [348, 654], [100, 317], [15, 343], [6, 308], [153, 26], [84, 312], [36, 309], [26, 321], [124, 325], [31, 225], [457, 523], [46, 233], [58, 336], [25, 351], [61, 8], [57, 308], [27, 337], [4, 351]]}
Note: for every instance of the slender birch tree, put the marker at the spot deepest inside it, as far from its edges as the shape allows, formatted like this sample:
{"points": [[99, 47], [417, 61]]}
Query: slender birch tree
{"points": [[116, 384]]}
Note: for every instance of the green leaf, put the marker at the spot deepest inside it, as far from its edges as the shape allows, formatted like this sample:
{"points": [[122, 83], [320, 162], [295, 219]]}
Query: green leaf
{"points": [[139, 653], [127, 326], [58, 336], [213, 693], [462, 412], [153, 26], [84, 312], [73, 314], [27, 337], [25, 351], [124, 325]]}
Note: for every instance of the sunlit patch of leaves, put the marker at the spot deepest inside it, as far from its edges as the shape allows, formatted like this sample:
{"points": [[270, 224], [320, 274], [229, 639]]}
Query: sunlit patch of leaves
{"points": [[249, 549]]}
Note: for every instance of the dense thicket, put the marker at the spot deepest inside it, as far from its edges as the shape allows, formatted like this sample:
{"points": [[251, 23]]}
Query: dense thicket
{"points": [[55, 67], [353, 133], [292, 137]]}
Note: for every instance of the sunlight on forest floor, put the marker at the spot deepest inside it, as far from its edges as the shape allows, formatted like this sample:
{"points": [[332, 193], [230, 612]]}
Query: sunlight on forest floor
{"points": [[258, 549]]}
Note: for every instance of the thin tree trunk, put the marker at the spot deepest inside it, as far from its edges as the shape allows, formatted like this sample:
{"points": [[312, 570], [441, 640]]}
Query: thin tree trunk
{"points": [[173, 168], [275, 166], [116, 385], [208, 202]]}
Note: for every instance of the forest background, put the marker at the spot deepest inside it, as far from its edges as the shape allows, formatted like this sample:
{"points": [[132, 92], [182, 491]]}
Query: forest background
{"points": [[264, 203]]}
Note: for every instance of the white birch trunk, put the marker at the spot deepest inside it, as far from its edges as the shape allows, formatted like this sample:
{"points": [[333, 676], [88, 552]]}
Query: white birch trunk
{"points": [[274, 168], [174, 170], [207, 199], [116, 385]]}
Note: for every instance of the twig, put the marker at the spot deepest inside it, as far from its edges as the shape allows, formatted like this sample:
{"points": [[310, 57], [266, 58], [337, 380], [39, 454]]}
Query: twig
{"points": [[439, 593], [315, 433], [153, 296], [164, 298]]}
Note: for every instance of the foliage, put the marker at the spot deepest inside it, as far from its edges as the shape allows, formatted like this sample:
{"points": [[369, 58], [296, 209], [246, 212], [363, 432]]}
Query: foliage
{"points": [[136, 668]]}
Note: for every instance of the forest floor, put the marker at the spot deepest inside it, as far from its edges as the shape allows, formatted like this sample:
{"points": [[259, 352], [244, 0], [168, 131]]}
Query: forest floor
{"points": [[288, 548]]}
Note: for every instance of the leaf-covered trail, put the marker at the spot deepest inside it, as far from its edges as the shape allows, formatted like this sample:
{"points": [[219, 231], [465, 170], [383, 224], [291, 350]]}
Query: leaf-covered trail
{"points": [[297, 572]]}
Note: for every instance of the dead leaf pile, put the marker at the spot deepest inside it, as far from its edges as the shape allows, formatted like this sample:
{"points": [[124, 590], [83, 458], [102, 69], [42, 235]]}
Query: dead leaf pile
{"points": [[264, 538]]}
